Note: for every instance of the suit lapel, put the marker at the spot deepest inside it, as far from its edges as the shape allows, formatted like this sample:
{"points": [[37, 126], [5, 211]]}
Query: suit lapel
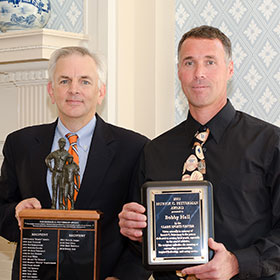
{"points": [[99, 160], [41, 148]]}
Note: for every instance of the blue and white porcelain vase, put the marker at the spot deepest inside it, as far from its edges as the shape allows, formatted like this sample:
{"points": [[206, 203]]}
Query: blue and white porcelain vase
{"points": [[24, 14]]}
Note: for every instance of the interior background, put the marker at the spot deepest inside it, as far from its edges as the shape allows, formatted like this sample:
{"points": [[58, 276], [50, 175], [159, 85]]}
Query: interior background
{"points": [[139, 38]]}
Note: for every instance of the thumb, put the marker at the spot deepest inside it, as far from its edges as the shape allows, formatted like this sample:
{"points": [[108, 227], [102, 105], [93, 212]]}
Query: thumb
{"points": [[212, 244], [215, 246]]}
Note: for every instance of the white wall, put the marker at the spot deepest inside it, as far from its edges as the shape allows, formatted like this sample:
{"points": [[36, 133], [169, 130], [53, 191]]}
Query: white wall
{"points": [[145, 65]]}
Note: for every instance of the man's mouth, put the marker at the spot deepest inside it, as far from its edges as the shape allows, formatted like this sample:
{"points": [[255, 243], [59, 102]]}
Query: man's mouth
{"points": [[74, 102], [200, 87]]}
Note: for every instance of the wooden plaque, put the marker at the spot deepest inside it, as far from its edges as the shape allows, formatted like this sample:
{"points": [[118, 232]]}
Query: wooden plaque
{"points": [[59, 244]]}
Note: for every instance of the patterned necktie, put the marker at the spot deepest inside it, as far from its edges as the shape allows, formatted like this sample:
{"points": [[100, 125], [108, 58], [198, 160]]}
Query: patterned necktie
{"points": [[73, 150], [195, 167]]}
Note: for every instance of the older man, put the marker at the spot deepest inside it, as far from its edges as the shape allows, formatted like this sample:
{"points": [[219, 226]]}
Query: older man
{"points": [[107, 155]]}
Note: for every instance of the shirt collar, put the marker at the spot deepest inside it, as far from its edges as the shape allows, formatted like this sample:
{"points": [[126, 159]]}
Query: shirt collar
{"points": [[85, 133], [217, 124], [191, 128]]}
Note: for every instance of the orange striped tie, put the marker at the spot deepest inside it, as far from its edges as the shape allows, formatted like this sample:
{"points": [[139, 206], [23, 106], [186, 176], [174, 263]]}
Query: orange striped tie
{"points": [[73, 150]]}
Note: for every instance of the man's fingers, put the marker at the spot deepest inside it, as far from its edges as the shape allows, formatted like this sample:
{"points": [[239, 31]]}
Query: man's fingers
{"points": [[215, 246], [224, 264], [37, 204], [132, 212], [134, 207], [132, 220], [132, 224], [132, 228], [125, 216], [29, 203], [193, 270], [133, 234]]}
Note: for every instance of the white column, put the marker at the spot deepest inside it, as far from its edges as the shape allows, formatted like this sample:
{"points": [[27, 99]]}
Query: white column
{"points": [[145, 65]]}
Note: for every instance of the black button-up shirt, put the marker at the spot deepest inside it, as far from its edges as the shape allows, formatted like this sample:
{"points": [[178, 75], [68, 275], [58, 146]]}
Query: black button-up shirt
{"points": [[243, 164]]}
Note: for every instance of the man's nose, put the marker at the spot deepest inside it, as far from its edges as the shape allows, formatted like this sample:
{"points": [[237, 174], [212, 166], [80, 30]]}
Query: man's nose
{"points": [[74, 87], [200, 72]]}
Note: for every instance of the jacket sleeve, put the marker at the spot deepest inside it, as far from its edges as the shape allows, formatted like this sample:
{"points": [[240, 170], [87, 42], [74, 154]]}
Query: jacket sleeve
{"points": [[9, 195], [130, 264]]}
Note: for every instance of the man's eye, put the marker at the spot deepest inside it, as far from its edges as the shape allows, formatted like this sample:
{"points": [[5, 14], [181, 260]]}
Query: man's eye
{"points": [[84, 82], [63, 82], [211, 62], [189, 63]]}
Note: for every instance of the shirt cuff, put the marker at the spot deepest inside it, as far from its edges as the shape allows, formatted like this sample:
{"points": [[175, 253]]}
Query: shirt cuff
{"points": [[249, 263]]}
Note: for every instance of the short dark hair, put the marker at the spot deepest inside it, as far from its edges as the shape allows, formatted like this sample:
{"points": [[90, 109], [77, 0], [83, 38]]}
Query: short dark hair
{"points": [[208, 32]]}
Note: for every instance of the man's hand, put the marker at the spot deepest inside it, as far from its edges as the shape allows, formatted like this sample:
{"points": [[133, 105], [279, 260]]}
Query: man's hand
{"points": [[223, 266], [132, 221], [29, 203]]}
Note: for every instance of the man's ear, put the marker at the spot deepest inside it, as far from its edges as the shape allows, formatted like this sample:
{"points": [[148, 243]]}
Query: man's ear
{"points": [[51, 92], [101, 94], [231, 69]]}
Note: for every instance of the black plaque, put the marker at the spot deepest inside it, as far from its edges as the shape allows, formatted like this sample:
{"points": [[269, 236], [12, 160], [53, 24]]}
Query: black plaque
{"points": [[179, 223], [58, 244]]}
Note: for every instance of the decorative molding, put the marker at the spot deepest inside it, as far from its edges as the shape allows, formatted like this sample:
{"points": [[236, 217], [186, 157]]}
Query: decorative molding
{"points": [[22, 77], [37, 44], [34, 105], [23, 48]]}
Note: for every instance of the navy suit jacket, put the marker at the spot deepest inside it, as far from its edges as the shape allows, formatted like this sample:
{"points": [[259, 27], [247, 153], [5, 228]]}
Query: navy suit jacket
{"points": [[112, 157]]}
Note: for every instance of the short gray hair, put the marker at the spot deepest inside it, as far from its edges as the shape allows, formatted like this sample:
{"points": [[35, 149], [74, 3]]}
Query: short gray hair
{"points": [[66, 51]]}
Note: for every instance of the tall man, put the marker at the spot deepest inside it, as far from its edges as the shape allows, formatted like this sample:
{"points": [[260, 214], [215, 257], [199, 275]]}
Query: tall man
{"points": [[107, 155], [242, 156]]}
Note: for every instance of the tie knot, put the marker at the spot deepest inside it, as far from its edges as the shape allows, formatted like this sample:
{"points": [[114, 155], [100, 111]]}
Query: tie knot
{"points": [[203, 128], [202, 134], [72, 138]]}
